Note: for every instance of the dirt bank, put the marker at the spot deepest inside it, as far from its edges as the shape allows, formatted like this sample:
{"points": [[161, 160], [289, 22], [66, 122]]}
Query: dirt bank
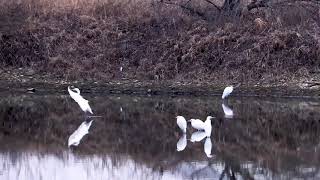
{"points": [[156, 43]]}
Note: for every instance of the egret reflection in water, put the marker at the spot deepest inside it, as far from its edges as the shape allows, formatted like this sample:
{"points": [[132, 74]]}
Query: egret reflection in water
{"points": [[198, 136], [78, 134], [228, 112], [116, 149], [182, 143], [208, 147]]}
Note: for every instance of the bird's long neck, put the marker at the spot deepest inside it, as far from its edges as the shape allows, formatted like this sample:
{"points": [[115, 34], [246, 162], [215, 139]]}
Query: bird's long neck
{"points": [[77, 90]]}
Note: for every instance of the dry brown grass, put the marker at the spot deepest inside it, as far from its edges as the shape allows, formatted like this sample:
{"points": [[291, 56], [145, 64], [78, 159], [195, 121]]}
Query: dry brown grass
{"points": [[156, 41]]}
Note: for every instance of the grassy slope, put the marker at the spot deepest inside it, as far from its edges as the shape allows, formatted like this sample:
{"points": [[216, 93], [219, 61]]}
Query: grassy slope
{"points": [[91, 41]]}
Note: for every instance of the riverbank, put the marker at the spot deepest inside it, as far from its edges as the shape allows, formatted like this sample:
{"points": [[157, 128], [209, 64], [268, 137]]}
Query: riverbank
{"points": [[22, 80], [161, 49]]}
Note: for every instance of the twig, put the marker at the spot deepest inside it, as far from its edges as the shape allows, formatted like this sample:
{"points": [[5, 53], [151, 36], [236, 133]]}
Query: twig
{"points": [[217, 7]]}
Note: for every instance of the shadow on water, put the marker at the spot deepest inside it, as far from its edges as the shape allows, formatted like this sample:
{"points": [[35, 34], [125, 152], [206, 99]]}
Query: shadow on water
{"points": [[47, 136]]}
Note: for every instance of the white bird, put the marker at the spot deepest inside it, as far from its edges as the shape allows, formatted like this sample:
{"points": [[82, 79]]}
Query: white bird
{"points": [[182, 123], [182, 143], [78, 134], [200, 125], [197, 124], [83, 103], [227, 91], [208, 126], [198, 136], [228, 113], [208, 147]]}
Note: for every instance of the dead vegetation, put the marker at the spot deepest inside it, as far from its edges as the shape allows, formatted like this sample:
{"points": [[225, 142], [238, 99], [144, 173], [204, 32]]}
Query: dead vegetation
{"points": [[249, 42]]}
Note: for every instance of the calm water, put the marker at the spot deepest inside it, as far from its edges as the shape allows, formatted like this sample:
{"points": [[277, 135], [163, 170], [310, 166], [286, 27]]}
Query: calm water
{"points": [[137, 138]]}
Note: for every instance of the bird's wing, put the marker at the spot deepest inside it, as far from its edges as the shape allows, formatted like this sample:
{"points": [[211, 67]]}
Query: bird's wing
{"points": [[198, 124]]}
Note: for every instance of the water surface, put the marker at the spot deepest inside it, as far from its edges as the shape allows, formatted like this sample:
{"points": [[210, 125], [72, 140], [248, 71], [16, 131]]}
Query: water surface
{"points": [[137, 138]]}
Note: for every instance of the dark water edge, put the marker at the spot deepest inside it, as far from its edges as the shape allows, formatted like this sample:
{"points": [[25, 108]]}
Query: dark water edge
{"points": [[270, 138], [164, 88]]}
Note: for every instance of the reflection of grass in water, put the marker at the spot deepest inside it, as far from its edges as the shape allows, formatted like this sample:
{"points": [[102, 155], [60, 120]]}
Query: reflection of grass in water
{"points": [[35, 165], [262, 131]]}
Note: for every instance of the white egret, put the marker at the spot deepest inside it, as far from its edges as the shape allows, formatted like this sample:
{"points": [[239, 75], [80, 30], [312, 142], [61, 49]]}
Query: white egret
{"points": [[197, 124], [83, 103], [200, 125], [182, 123], [227, 91], [78, 134], [208, 147], [198, 136], [208, 126], [182, 143], [228, 112]]}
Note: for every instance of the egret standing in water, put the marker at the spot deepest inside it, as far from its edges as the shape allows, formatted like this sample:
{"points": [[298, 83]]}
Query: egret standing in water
{"points": [[227, 91], [182, 123], [83, 103], [197, 124], [202, 126], [208, 126]]}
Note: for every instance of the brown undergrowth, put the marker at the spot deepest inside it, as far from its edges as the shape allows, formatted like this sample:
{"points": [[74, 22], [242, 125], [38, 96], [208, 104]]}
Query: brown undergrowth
{"points": [[156, 41]]}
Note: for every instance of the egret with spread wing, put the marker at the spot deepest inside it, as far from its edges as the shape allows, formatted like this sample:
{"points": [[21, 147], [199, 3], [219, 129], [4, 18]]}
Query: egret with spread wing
{"points": [[83, 103]]}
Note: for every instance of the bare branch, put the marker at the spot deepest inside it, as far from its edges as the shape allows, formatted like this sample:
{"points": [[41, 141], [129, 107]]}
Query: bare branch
{"points": [[217, 7]]}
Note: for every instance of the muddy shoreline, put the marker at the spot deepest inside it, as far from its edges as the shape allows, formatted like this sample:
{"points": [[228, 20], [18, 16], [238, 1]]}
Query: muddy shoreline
{"points": [[21, 82]]}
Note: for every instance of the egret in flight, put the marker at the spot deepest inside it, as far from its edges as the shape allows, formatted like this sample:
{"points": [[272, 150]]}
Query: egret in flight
{"points": [[83, 103], [182, 123]]}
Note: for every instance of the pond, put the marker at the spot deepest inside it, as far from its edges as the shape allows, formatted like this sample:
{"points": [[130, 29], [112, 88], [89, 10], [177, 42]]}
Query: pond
{"points": [[46, 136]]}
